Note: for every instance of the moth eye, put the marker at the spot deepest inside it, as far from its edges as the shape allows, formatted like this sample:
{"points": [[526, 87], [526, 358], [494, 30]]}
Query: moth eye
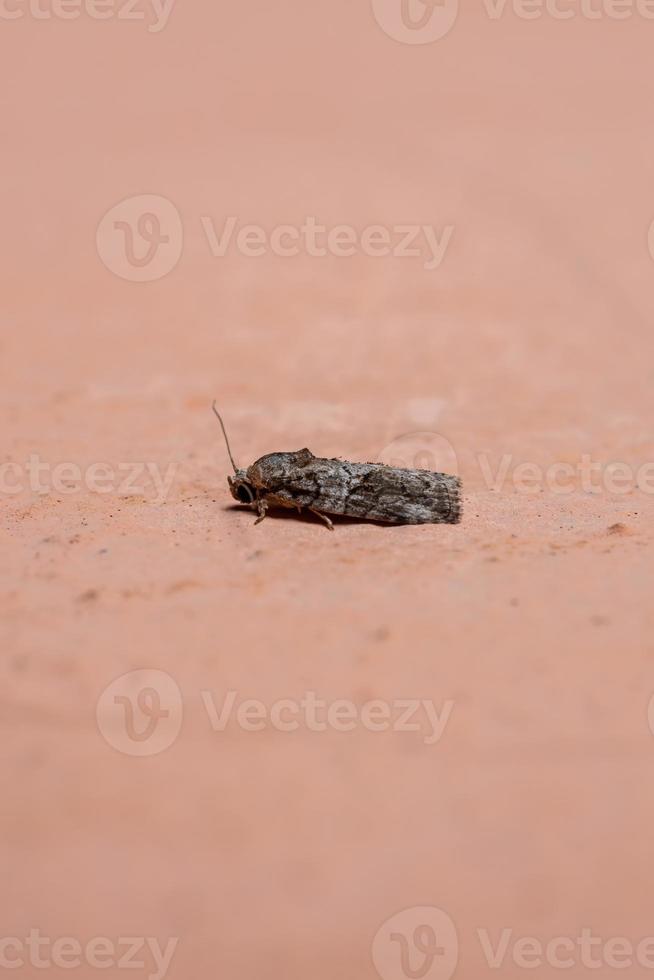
{"points": [[244, 494]]}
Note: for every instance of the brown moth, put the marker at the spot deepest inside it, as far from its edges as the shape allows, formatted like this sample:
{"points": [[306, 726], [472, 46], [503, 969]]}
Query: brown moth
{"points": [[369, 491]]}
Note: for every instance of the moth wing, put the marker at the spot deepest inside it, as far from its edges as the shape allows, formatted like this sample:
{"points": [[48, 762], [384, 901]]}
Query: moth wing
{"points": [[311, 482], [401, 496], [372, 491]]}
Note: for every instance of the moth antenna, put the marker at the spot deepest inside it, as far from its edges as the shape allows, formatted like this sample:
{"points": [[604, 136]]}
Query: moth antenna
{"points": [[215, 412]]}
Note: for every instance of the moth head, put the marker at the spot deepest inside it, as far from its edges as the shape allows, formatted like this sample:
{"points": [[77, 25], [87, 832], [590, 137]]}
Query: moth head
{"points": [[240, 487]]}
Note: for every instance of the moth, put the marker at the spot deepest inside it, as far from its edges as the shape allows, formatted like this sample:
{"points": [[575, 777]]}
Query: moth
{"points": [[369, 491]]}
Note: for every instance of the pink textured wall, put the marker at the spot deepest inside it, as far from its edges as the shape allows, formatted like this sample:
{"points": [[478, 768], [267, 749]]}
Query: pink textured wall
{"points": [[515, 343]]}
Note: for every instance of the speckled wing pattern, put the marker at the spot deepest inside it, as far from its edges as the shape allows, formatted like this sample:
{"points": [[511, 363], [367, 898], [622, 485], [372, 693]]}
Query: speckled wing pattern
{"points": [[371, 491]]}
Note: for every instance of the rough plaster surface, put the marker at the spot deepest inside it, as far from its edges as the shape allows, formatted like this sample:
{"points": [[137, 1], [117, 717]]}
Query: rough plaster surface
{"points": [[275, 854]]}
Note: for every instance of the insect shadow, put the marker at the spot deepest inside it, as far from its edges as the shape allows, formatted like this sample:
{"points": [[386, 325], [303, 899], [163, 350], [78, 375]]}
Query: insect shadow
{"points": [[287, 514]]}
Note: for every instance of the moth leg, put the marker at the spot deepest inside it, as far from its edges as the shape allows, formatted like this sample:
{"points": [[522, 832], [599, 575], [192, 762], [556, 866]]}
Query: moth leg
{"points": [[262, 507], [323, 517]]}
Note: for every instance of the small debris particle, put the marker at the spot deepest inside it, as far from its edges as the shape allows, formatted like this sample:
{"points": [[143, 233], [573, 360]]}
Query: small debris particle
{"points": [[618, 529], [182, 586], [89, 596]]}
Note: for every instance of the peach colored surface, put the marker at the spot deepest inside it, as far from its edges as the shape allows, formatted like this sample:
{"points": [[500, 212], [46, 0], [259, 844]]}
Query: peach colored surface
{"points": [[272, 854]]}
